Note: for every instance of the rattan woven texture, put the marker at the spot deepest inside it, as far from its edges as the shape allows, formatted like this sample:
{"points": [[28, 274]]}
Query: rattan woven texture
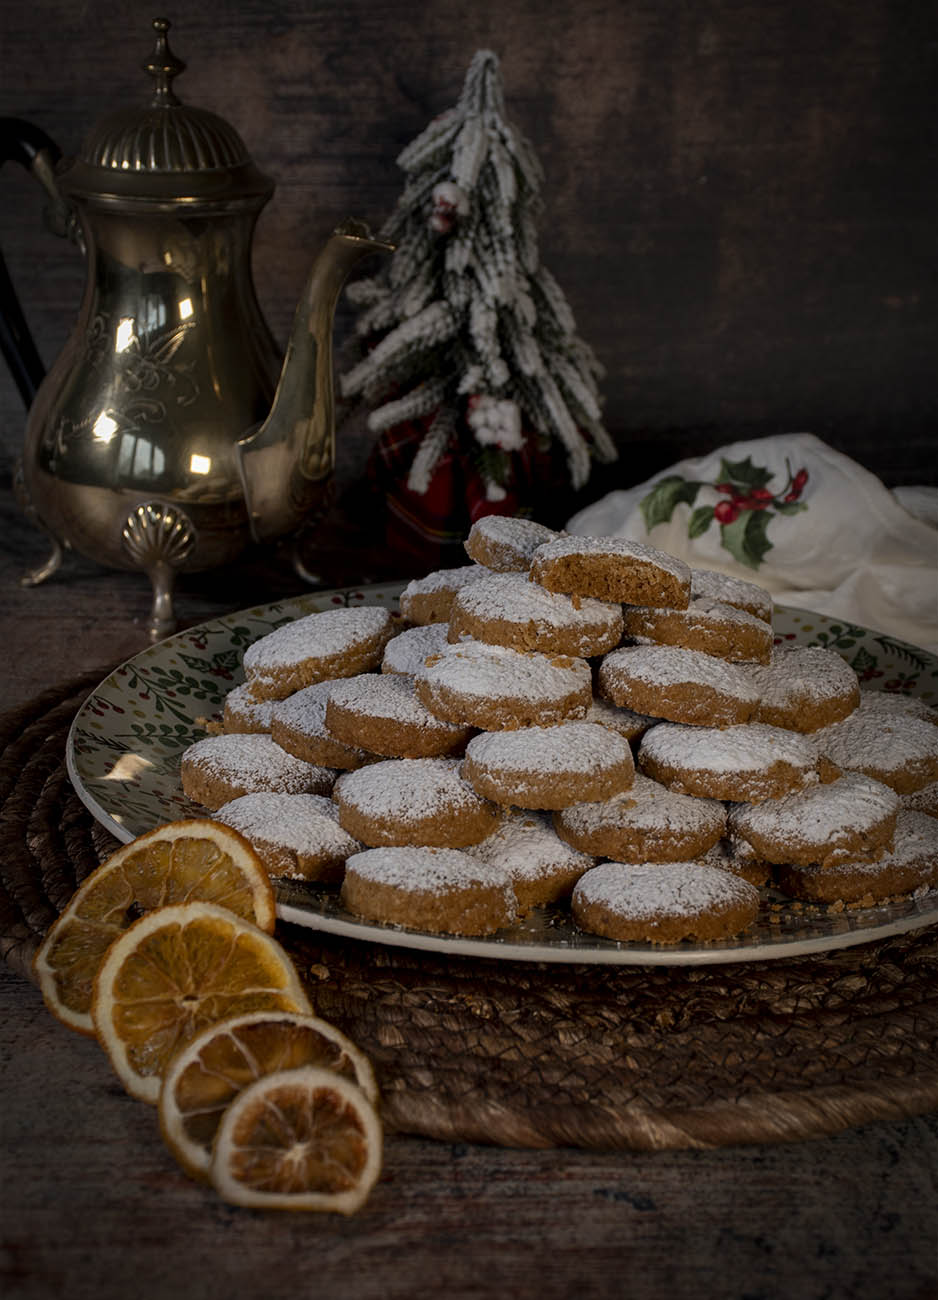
{"points": [[540, 1055]]}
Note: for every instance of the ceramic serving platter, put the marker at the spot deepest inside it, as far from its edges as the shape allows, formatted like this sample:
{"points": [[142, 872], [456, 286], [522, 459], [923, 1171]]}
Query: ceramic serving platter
{"points": [[125, 743]]}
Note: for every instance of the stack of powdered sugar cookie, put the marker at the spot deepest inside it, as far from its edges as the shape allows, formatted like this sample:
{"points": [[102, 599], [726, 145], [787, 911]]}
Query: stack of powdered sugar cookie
{"points": [[571, 718]]}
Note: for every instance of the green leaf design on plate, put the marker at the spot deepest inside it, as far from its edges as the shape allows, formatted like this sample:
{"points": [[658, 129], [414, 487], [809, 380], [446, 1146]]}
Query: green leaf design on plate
{"points": [[658, 506], [744, 473], [746, 538], [700, 521], [790, 507]]}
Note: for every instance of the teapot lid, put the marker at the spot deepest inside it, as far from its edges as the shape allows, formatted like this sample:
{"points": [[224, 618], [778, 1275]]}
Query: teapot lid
{"points": [[166, 151]]}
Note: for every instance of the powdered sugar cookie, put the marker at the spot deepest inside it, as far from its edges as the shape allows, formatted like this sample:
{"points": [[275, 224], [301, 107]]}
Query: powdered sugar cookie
{"points": [[540, 865], [679, 685], [910, 864], [443, 891], [506, 544], [745, 764], [924, 800], [220, 768], [648, 823], [428, 599], [243, 711], [852, 817], [413, 801], [298, 725], [729, 590], [334, 643], [494, 688], [548, 767], [410, 649], [508, 609], [734, 855], [902, 752], [804, 688], [663, 902], [626, 723], [612, 568], [296, 836], [892, 705], [380, 712], [715, 628]]}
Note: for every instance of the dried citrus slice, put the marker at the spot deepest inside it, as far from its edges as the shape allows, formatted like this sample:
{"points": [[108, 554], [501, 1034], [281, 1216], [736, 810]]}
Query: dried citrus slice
{"points": [[209, 1072], [304, 1139], [177, 970], [172, 864]]}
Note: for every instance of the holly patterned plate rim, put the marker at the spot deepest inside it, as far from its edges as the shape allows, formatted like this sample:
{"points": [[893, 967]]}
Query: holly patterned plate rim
{"points": [[124, 744]]}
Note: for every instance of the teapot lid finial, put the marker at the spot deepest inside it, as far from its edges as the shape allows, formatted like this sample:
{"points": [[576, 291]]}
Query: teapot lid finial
{"points": [[163, 65]]}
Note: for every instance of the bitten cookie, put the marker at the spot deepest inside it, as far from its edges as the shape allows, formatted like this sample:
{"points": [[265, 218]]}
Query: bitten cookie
{"points": [[679, 685], [663, 903], [612, 568], [852, 817], [648, 823], [508, 609], [413, 801], [440, 890], [540, 865], [221, 768], [495, 688], [902, 752], [506, 544], [548, 767], [745, 764], [296, 836], [707, 625], [380, 712], [804, 688], [335, 643], [298, 725], [910, 864], [709, 585], [428, 599]]}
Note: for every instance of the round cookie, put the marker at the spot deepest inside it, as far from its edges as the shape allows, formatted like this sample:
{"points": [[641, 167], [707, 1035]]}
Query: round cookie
{"points": [[380, 712], [744, 764], [548, 767], [244, 712], [441, 890], [428, 599], [612, 568], [663, 902], [924, 800], [911, 864], [626, 723], [334, 643], [708, 584], [852, 817], [407, 651], [507, 609], [648, 823], [298, 725], [412, 801], [892, 705], [707, 625], [805, 688], [221, 768], [540, 865], [901, 751], [494, 688], [679, 685], [505, 543], [297, 836]]}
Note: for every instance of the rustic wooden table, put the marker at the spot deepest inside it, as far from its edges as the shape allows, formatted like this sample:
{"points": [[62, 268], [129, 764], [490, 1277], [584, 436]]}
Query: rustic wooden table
{"points": [[93, 1205]]}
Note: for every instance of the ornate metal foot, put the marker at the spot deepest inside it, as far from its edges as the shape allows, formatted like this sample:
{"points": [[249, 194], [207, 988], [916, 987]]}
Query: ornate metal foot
{"points": [[33, 577], [158, 538]]}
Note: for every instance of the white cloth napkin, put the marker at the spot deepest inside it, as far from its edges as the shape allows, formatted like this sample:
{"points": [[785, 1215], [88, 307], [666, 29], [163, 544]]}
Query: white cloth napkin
{"points": [[809, 524]]}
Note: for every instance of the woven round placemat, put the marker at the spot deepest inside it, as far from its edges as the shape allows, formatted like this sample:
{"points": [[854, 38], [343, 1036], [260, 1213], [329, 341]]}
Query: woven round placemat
{"points": [[541, 1055]]}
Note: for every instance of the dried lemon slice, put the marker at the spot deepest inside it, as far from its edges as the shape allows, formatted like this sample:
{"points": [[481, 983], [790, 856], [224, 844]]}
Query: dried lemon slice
{"points": [[184, 860], [209, 1072], [304, 1139], [177, 970]]}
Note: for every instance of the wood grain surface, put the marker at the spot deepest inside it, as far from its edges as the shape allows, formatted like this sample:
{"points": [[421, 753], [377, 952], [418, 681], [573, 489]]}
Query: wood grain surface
{"points": [[739, 197]]}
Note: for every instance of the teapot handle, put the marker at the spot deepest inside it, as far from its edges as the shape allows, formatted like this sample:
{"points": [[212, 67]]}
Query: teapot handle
{"points": [[29, 146]]}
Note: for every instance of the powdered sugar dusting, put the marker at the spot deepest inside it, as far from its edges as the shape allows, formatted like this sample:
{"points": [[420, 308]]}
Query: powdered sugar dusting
{"points": [[385, 697], [443, 580], [648, 806], [872, 742], [436, 871], [526, 846], [569, 546], [409, 788], [645, 891], [409, 650], [478, 670], [513, 597], [317, 636], [803, 673], [824, 817], [663, 666], [724, 587], [750, 746], [254, 761], [302, 823], [509, 541], [569, 747]]}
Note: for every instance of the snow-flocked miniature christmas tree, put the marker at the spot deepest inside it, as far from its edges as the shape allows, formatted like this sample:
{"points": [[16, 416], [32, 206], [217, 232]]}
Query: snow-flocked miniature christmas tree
{"points": [[468, 336]]}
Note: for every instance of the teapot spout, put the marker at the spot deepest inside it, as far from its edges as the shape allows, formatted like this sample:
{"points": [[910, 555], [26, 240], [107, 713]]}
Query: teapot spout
{"points": [[287, 462]]}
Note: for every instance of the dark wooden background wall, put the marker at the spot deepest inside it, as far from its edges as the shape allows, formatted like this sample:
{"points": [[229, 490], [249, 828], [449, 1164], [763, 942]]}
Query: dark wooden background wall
{"points": [[739, 204]]}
